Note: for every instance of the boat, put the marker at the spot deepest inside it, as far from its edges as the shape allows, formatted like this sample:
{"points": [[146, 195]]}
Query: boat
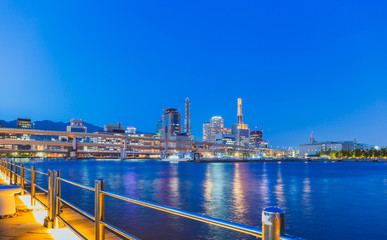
{"points": [[256, 157], [179, 157]]}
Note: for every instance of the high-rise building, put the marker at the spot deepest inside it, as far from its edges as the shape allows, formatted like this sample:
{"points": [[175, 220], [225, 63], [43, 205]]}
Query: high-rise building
{"points": [[171, 123], [216, 127], [241, 130], [187, 116], [206, 132], [159, 128], [256, 138], [76, 125]]}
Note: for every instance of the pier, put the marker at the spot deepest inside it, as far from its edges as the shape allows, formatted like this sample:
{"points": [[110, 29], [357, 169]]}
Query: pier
{"points": [[59, 214]]}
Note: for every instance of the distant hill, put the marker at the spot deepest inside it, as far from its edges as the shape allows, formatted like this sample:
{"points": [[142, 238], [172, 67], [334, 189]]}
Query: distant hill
{"points": [[50, 125]]}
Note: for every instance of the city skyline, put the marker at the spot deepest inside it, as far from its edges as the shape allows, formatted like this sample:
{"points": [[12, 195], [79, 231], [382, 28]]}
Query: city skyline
{"points": [[325, 75]]}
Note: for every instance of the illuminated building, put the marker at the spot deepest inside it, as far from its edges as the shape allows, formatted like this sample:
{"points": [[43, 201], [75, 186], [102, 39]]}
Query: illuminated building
{"points": [[223, 138], [171, 123], [215, 126], [206, 132], [159, 128], [76, 125], [241, 130], [187, 116], [131, 130], [256, 137], [111, 128], [26, 124], [314, 147]]}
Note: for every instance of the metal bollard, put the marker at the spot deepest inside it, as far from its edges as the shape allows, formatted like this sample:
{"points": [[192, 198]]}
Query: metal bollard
{"points": [[50, 220], [33, 187], [99, 209], [22, 178], [273, 223]]}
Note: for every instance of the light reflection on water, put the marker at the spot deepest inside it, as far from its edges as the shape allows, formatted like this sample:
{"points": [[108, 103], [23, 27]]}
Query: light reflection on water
{"points": [[322, 200]]}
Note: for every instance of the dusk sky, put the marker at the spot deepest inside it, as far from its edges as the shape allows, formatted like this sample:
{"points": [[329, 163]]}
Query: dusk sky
{"points": [[299, 66]]}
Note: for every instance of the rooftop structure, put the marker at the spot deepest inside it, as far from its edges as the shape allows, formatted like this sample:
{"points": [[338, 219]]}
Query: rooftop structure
{"points": [[76, 125], [111, 128]]}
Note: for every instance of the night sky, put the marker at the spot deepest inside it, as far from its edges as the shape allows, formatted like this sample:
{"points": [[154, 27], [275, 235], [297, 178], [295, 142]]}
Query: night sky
{"points": [[299, 66]]}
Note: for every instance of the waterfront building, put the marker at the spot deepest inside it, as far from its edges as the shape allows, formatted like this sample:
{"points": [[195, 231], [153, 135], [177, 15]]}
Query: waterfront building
{"points": [[170, 123], [131, 130], [187, 116], [256, 138], [215, 126], [314, 148], [184, 137], [206, 132], [24, 123], [224, 138], [76, 125], [111, 128], [241, 130], [159, 128]]}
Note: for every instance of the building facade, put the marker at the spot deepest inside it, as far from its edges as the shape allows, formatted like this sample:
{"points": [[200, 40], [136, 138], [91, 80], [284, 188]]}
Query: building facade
{"points": [[76, 125], [171, 123], [315, 148], [256, 138]]}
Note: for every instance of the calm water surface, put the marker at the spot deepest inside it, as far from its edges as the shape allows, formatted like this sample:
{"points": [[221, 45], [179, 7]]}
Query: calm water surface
{"points": [[322, 200]]}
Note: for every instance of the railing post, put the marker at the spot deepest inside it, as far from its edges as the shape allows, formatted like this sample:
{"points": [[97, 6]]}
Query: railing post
{"points": [[50, 220], [22, 178], [99, 209], [33, 187], [273, 223], [10, 173], [58, 194], [15, 173]]}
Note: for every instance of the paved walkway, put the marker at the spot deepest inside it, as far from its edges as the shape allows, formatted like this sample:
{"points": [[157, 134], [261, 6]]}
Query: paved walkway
{"points": [[22, 226]]}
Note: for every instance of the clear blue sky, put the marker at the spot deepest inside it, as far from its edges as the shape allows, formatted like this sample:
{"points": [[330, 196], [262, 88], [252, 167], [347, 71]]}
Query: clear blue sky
{"points": [[300, 66]]}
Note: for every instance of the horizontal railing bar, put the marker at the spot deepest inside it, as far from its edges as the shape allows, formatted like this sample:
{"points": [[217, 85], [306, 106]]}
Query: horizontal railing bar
{"points": [[72, 229], [44, 190], [77, 209], [218, 222], [44, 205], [76, 184], [42, 173], [119, 231]]}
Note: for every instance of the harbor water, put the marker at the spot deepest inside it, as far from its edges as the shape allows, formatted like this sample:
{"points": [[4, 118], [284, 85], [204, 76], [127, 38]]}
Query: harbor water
{"points": [[322, 200]]}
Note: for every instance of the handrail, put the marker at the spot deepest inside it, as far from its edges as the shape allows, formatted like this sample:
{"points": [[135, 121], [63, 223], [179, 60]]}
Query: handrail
{"points": [[214, 221], [45, 174], [76, 184], [119, 231], [77, 209], [44, 190], [54, 195], [72, 229]]}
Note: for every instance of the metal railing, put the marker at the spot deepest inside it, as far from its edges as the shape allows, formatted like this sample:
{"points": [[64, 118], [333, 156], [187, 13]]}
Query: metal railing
{"points": [[273, 219]]}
